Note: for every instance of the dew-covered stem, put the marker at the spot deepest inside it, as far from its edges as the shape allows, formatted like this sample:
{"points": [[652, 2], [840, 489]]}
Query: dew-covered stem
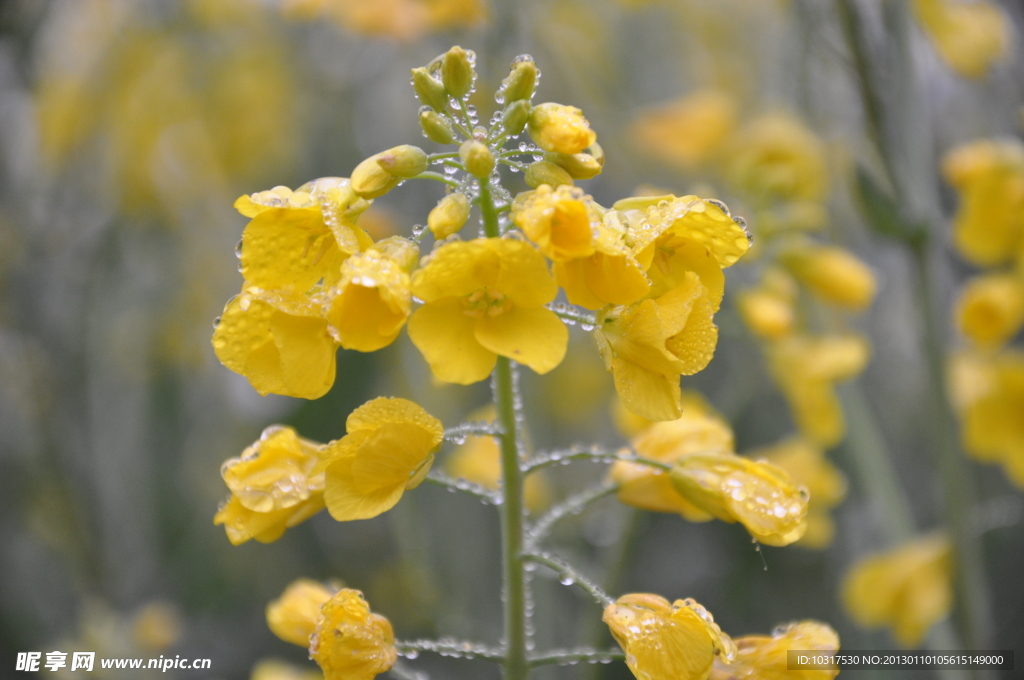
{"points": [[569, 576]]}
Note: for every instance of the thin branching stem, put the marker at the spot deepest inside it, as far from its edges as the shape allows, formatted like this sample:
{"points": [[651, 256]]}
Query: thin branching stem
{"points": [[437, 177], [569, 576], [589, 453], [473, 489], [570, 506], [450, 647], [572, 656]]}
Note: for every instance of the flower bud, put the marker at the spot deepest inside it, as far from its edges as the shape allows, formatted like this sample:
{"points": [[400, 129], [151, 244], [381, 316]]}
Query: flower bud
{"points": [[436, 127], [515, 116], [457, 71], [545, 172], [560, 128], [403, 161], [477, 158], [370, 180], [578, 165], [449, 215], [522, 81], [429, 89], [400, 250]]}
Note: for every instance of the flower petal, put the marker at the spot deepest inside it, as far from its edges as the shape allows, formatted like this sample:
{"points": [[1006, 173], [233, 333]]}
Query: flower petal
{"points": [[444, 334], [456, 269], [651, 395], [534, 337]]}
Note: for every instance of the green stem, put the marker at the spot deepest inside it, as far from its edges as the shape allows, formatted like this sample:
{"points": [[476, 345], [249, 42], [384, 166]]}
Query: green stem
{"points": [[593, 453], [477, 491], [570, 576], [489, 215], [575, 656], [437, 177]]}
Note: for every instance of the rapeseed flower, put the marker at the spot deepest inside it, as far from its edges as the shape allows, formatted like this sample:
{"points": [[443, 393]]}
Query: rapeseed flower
{"points": [[757, 494], [988, 174], [350, 642], [485, 298], [777, 158], [561, 129], [990, 309], [806, 369], [768, 310], [907, 588], [389, 447], [560, 221], [807, 465], [763, 657], [686, 133], [274, 669], [833, 274], [273, 486], [404, 20], [698, 430], [665, 641], [969, 36], [293, 616]]}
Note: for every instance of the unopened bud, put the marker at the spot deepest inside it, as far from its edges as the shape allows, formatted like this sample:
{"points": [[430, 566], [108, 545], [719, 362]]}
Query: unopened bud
{"points": [[578, 165], [515, 116], [400, 249], [370, 180], [477, 158], [522, 81], [403, 161], [457, 71], [560, 128], [429, 89], [545, 172], [435, 126], [449, 215]]}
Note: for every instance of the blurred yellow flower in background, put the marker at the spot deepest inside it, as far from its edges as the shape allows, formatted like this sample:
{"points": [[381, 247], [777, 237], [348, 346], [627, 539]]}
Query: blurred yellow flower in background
{"points": [[485, 298], [662, 640], [834, 274], [157, 626], [907, 588], [776, 157], [969, 36], [275, 669], [273, 486], [688, 132], [763, 657], [768, 309], [389, 447], [990, 309], [350, 642], [989, 177], [807, 465], [404, 20], [293, 616]]}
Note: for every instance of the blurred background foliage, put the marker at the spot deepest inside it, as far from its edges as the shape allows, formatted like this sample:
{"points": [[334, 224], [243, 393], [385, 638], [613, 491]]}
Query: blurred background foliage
{"points": [[128, 128]]}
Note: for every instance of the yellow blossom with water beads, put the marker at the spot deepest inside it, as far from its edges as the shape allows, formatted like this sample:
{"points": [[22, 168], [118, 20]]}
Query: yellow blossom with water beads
{"points": [[389, 447], [557, 220], [757, 494], [698, 430], [764, 657], [485, 298], [990, 310], [969, 36], [350, 642], [908, 588], [293, 616], [560, 129], [273, 487], [662, 641]]}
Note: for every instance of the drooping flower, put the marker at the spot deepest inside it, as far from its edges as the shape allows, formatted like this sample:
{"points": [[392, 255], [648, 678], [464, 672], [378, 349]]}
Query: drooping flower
{"points": [[758, 495], [777, 158], [989, 176], [273, 487], [698, 430], [665, 641], [558, 220], [279, 341], [485, 298], [389, 447], [833, 274], [990, 310], [373, 298], [806, 369], [293, 616], [807, 465], [969, 36], [687, 132], [908, 589], [561, 129], [350, 642], [763, 657]]}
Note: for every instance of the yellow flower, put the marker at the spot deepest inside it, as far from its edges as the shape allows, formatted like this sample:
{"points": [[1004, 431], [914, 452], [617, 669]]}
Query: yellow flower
{"points": [[989, 175], [485, 298], [279, 341], [561, 129], [807, 465], [758, 495], [296, 239], [908, 588], [157, 626], [665, 641], [400, 19], [777, 158], [612, 275], [969, 36], [373, 299], [350, 642], [806, 369], [990, 310], [293, 616], [628, 423], [273, 486], [648, 345], [479, 460], [687, 132], [762, 657], [833, 274], [768, 309], [273, 669], [389, 447], [558, 220], [698, 430], [993, 429]]}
